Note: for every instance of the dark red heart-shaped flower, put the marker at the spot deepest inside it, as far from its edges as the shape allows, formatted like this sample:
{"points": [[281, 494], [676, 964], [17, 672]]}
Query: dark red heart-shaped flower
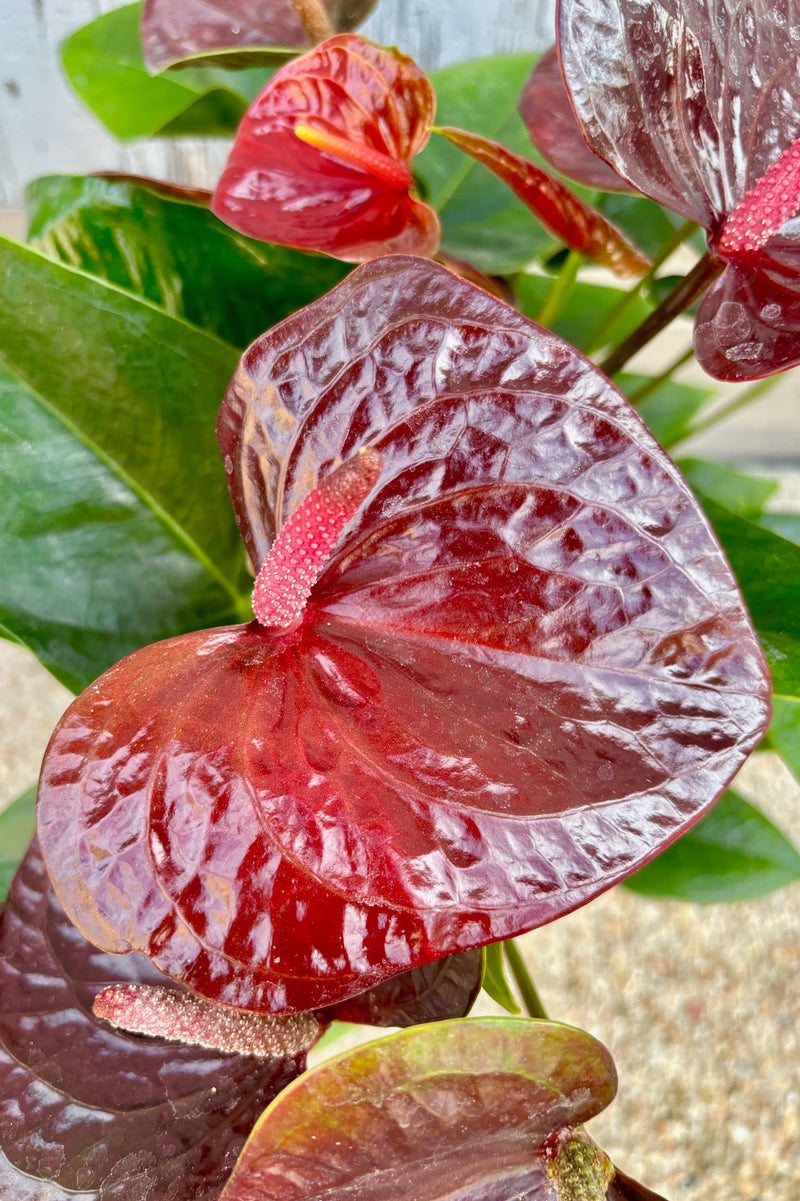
{"points": [[321, 158], [697, 104], [522, 670]]}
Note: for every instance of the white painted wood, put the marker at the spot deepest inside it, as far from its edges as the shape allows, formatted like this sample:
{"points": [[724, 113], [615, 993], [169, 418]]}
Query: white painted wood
{"points": [[44, 128]]}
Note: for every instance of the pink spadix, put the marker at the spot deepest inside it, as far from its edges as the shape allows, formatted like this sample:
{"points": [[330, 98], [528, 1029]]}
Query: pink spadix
{"points": [[765, 208], [183, 1017], [302, 548]]}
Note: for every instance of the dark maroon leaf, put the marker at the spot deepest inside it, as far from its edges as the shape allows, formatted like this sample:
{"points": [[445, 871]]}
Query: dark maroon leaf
{"points": [[87, 1111], [546, 110], [446, 988], [693, 103], [578, 225], [321, 158], [174, 31], [461, 1111], [525, 670]]}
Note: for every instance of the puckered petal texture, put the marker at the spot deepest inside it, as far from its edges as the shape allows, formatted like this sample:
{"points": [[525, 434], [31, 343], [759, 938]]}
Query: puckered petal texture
{"points": [[89, 1112], [692, 101], [546, 110], [176, 30], [281, 189], [525, 669], [689, 100]]}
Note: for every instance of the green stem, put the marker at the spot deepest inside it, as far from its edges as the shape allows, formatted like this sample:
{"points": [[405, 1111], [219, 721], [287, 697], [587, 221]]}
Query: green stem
{"points": [[559, 293], [527, 989], [652, 385], [601, 334], [704, 272]]}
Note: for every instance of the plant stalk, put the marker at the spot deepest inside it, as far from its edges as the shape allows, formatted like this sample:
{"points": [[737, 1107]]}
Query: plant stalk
{"points": [[652, 385], [314, 19], [680, 235], [738, 402], [527, 989], [559, 292], [704, 272]]}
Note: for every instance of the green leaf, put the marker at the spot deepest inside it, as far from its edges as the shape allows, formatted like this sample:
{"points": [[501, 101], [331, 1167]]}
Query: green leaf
{"points": [[767, 568], [175, 252], [115, 524], [17, 827], [647, 224], [104, 64], [585, 307], [473, 1109], [787, 525], [784, 732], [669, 410], [482, 221], [732, 854], [494, 978], [742, 494]]}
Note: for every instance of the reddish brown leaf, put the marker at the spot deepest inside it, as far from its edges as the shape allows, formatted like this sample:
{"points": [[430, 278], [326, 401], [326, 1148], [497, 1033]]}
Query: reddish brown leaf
{"points": [[174, 31], [524, 671], [342, 184], [545, 108], [89, 1112], [693, 103], [576, 224]]}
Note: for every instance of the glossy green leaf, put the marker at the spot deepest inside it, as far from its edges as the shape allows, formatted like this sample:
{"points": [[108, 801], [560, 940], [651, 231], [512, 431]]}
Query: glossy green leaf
{"points": [[733, 853], [482, 221], [670, 410], [105, 65], [784, 732], [585, 307], [767, 568], [494, 978], [17, 827], [175, 252], [741, 493], [116, 528], [469, 1109]]}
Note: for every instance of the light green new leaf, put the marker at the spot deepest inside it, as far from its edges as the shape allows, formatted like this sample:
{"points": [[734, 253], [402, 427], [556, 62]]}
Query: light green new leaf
{"points": [[585, 307], [494, 981], [733, 853], [669, 410], [784, 731], [104, 64]]}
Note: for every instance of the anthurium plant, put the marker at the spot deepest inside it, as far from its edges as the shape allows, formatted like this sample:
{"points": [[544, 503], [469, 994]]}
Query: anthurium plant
{"points": [[395, 629]]}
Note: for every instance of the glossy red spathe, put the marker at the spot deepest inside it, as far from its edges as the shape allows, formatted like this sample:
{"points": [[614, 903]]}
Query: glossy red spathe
{"points": [[321, 159], [524, 670], [693, 103]]}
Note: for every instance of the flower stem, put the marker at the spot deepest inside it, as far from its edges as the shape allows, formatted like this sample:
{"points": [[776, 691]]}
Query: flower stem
{"points": [[652, 385], [600, 335], [314, 19], [691, 286], [560, 291], [527, 989]]}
